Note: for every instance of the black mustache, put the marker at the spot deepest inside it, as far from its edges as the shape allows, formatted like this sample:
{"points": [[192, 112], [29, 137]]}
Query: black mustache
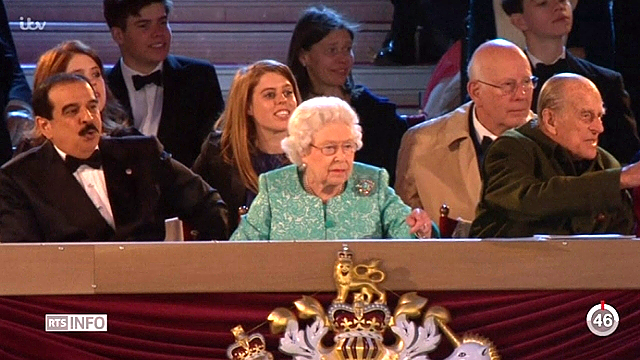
{"points": [[85, 130]]}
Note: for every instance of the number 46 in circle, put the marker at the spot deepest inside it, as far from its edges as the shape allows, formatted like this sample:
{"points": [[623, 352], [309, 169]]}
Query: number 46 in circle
{"points": [[602, 319]]}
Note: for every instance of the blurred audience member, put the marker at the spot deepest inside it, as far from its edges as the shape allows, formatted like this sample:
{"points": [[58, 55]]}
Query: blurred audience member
{"points": [[246, 140], [627, 33], [550, 177], [321, 58], [15, 94], [443, 92], [422, 30]]}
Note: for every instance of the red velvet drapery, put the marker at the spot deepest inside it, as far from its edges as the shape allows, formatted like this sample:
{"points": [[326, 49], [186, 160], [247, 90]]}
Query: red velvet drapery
{"points": [[523, 324]]}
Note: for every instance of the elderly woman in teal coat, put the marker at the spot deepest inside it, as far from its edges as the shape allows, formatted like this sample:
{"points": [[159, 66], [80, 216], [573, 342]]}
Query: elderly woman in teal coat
{"points": [[324, 194]]}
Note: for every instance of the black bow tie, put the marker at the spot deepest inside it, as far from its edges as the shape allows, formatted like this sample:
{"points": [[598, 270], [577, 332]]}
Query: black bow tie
{"points": [[73, 163], [544, 71], [140, 81], [484, 145], [482, 151]]}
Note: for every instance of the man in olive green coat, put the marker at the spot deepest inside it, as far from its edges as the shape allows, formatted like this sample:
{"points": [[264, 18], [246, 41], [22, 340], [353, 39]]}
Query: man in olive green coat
{"points": [[550, 177]]}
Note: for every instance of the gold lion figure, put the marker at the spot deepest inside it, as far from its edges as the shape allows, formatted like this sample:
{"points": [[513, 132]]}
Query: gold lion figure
{"points": [[363, 277]]}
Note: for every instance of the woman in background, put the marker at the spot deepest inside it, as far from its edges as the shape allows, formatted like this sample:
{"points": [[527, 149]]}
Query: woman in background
{"points": [[321, 58], [246, 140], [74, 56], [325, 195]]}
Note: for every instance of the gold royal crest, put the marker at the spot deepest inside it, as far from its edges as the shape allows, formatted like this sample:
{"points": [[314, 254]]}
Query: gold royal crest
{"points": [[358, 326]]}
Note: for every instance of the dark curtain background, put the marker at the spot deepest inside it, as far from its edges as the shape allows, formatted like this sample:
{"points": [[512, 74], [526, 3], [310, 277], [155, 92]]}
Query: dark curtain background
{"points": [[523, 324]]}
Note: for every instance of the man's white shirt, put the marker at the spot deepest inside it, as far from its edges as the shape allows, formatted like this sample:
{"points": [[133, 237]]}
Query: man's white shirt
{"points": [[481, 131], [535, 61], [94, 184], [146, 103]]}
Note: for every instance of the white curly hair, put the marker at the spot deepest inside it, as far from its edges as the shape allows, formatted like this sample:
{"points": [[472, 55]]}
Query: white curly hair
{"points": [[311, 116]]}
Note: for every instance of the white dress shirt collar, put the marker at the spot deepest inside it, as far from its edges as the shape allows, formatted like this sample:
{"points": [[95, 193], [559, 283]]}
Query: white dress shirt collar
{"points": [[535, 61], [128, 72], [95, 186], [481, 131], [146, 103], [63, 154]]}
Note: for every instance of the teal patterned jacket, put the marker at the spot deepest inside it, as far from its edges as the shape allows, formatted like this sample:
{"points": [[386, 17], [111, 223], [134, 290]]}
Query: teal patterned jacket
{"points": [[283, 210]]}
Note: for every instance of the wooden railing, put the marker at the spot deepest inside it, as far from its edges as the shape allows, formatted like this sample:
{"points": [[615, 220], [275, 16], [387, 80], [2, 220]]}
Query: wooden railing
{"points": [[98, 268]]}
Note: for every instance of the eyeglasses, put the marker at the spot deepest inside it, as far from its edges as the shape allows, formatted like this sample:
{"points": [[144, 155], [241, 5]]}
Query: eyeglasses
{"points": [[510, 87], [348, 147]]}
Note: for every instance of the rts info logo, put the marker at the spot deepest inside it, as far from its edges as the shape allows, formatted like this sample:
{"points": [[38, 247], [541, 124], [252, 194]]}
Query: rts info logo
{"points": [[75, 322]]}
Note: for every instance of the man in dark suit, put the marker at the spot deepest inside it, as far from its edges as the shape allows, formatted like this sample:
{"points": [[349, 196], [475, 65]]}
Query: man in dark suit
{"points": [[79, 186], [176, 98], [546, 26]]}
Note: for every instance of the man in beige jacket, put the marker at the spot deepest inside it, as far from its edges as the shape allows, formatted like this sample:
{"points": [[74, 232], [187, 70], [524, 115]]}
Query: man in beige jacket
{"points": [[438, 161]]}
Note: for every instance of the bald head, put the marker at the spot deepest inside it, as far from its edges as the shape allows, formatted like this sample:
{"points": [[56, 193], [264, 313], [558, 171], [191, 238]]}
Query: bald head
{"points": [[500, 85], [491, 55], [570, 112], [560, 87]]}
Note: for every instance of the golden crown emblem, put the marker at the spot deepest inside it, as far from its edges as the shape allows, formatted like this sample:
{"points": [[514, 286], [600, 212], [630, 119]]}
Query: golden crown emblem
{"points": [[358, 322], [247, 347]]}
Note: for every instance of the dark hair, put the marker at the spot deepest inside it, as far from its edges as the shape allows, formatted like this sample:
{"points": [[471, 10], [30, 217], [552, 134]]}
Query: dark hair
{"points": [[512, 6], [42, 105], [116, 12], [314, 24]]}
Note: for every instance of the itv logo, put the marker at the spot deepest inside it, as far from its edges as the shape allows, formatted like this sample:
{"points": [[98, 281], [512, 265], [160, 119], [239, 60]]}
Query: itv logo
{"points": [[75, 322], [31, 25]]}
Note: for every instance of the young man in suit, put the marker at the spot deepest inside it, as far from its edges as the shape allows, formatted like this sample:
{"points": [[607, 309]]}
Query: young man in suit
{"points": [[546, 25], [80, 186], [438, 161], [174, 98]]}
